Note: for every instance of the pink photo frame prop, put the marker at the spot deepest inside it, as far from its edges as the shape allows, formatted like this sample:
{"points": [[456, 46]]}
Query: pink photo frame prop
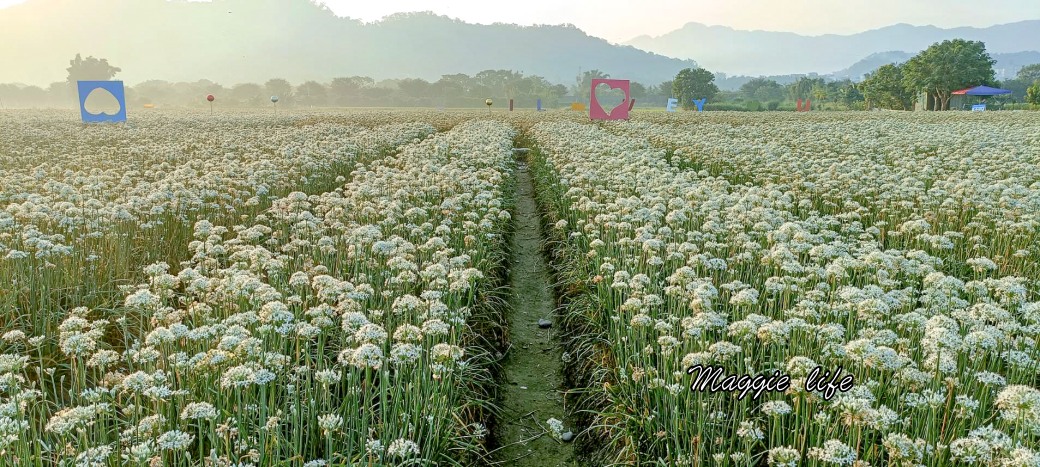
{"points": [[597, 112]]}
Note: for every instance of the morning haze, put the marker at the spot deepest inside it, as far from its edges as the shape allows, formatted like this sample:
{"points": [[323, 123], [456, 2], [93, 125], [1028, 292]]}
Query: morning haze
{"points": [[239, 40], [230, 42]]}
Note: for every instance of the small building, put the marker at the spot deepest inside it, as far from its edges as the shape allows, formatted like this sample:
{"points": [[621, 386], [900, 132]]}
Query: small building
{"points": [[923, 102]]}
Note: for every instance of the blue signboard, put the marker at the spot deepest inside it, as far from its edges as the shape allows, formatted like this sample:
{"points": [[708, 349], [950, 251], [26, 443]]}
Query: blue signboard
{"points": [[102, 93], [978, 108]]}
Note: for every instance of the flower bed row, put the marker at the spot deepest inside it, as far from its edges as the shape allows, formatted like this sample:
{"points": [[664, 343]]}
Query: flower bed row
{"points": [[669, 268], [341, 328]]}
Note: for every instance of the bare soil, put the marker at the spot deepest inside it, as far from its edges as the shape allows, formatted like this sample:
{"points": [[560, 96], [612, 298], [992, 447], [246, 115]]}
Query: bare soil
{"points": [[532, 391]]}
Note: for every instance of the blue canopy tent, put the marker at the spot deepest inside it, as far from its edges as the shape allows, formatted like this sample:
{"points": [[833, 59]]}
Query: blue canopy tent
{"points": [[982, 91]]}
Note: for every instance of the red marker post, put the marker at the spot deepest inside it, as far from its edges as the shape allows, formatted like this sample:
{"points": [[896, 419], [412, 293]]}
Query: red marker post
{"points": [[210, 98]]}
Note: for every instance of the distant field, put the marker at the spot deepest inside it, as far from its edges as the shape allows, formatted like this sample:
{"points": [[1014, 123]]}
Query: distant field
{"points": [[314, 288]]}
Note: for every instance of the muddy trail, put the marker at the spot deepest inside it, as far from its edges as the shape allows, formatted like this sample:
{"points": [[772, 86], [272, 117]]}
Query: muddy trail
{"points": [[532, 386]]}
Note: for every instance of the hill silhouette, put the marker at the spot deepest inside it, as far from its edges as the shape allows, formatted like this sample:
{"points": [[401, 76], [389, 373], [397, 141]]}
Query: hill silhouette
{"points": [[252, 40], [720, 48]]}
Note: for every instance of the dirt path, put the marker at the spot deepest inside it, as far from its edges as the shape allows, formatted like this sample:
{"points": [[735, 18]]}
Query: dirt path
{"points": [[532, 370]]}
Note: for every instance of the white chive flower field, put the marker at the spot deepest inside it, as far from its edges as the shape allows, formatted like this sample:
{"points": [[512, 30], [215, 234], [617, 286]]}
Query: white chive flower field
{"points": [[329, 288]]}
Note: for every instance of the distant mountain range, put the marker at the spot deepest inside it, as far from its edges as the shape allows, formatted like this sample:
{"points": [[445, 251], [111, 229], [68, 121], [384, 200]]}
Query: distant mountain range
{"points": [[231, 41], [719, 48]]}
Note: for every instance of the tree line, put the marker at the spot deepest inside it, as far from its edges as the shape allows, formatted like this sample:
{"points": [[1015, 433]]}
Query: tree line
{"points": [[934, 74], [765, 94], [928, 79], [931, 76], [455, 90]]}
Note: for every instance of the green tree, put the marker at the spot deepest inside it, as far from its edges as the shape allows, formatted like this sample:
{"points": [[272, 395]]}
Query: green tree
{"points": [[1029, 73], [498, 83], [584, 87], [281, 88], [820, 93], [556, 92], [1021, 82], [347, 91], [155, 92], [883, 88], [535, 87], [638, 90], [663, 90], [762, 89], [90, 69], [1016, 86], [311, 93], [1033, 93], [377, 94], [694, 83], [248, 94], [450, 87], [844, 92], [947, 66], [849, 95], [803, 87], [415, 88], [57, 93], [193, 93]]}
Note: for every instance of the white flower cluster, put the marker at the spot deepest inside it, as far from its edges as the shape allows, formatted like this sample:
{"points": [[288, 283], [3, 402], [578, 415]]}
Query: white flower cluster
{"points": [[344, 313], [62, 187], [899, 250], [270, 289]]}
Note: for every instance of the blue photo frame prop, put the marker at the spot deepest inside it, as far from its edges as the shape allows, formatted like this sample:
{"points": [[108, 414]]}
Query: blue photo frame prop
{"points": [[115, 88]]}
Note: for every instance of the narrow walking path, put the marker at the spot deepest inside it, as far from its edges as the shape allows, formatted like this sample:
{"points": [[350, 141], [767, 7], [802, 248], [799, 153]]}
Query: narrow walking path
{"points": [[532, 370]]}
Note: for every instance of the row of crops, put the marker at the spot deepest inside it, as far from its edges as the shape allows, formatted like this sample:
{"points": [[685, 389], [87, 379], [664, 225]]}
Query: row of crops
{"points": [[254, 293], [327, 289], [786, 245]]}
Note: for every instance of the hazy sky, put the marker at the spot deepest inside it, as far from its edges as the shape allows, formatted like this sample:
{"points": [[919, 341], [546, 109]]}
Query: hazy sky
{"points": [[621, 20]]}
